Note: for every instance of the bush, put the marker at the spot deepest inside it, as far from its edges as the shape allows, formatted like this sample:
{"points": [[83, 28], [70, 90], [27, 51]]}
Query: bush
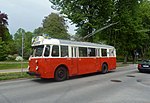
{"points": [[10, 57], [19, 58]]}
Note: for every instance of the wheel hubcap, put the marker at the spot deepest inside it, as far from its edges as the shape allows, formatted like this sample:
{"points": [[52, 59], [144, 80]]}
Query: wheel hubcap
{"points": [[61, 74]]}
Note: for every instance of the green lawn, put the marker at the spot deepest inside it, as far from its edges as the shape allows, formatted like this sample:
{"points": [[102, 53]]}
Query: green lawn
{"points": [[10, 76], [10, 65]]}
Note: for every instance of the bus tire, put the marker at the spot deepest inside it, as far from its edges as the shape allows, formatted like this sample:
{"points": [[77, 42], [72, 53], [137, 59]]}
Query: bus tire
{"points": [[61, 74], [104, 68]]}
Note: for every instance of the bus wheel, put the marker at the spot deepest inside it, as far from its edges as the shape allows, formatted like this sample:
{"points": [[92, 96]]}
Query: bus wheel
{"points": [[61, 73], [104, 68]]}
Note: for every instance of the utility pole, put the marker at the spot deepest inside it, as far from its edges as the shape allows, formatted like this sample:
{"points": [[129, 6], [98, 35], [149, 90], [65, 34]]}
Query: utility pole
{"points": [[22, 50]]}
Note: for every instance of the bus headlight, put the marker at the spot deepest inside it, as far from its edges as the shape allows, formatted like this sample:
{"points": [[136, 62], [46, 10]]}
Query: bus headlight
{"points": [[28, 67], [36, 61], [37, 68]]}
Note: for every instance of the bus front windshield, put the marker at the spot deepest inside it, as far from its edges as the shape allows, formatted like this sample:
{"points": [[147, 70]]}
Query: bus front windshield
{"points": [[38, 50]]}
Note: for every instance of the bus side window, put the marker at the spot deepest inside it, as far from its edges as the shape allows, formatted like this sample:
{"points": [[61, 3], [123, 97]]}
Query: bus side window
{"points": [[64, 51], [111, 52], [47, 51], [55, 51], [82, 52], [104, 52], [91, 52]]}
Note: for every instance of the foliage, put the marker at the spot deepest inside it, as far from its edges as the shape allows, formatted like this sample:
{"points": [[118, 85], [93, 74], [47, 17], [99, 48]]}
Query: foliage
{"points": [[10, 57], [2, 51], [6, 42], [133, 16], [38, 31], [88, 15], [27, 38], [128, 25], [3, 26], [144, 13], [54, 25]]}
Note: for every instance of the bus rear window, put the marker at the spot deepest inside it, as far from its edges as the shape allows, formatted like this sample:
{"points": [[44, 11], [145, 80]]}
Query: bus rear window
{"points": [[38, 50], [104, 52]]}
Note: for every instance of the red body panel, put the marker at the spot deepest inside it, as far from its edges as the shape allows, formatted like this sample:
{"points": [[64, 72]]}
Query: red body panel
{"points": [[86, 65], [75, 66]]}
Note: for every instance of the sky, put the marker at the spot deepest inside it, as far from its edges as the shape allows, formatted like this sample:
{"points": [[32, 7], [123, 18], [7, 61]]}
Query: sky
{"points": [[27, 14]]}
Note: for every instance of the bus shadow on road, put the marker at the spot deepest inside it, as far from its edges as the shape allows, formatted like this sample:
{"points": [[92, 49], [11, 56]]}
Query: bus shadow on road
{"points": [[44, 81], [89, 75]]}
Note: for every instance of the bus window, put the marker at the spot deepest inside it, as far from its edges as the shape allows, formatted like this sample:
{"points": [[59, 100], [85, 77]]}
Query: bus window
{"points": [[64, 51], [55, 51], [82, 52], [91, 52], [38, 50], [111, 52], [47, 51], [104, 52], [74, 51], [98, 52]]}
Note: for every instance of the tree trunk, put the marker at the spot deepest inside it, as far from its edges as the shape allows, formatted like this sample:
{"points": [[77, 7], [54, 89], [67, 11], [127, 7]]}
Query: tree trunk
{"points": [[133, 53], [125, 59]]}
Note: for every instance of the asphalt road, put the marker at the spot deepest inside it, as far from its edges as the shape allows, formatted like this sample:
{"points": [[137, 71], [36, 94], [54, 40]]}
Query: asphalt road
{"points": [[125, 85]]}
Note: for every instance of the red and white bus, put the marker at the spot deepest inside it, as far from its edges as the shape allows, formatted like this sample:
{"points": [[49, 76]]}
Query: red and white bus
{"points": [[60, 59]]}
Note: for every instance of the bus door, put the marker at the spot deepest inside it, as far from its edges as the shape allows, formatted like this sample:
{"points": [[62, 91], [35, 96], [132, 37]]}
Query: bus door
{"points": [[91, 60], [46, 59], [86, 61], [74, 69]]}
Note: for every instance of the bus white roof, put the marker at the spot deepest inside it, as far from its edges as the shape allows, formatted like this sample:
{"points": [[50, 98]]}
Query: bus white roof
{"points": [[42, 41]]}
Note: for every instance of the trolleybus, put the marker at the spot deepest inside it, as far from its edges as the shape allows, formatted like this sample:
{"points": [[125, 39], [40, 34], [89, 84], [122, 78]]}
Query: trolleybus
{"points": [[60, 59]]}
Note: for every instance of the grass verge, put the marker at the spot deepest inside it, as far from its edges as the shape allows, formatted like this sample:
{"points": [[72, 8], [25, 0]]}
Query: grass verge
{"points": [[12, 65], [11, 76], [120, 64]]}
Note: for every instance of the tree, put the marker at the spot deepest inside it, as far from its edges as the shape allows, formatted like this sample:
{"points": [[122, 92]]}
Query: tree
{"points": [[18, 40], [124, 34], [55, 26], [5, 37], [27, 37], [27, 44], [38, 31], [4, 34], [88, 15], [3, 19], [144, 41]]}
